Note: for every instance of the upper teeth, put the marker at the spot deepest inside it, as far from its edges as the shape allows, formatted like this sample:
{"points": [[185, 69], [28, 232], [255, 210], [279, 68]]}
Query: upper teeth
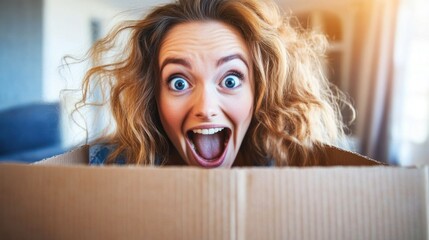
{"points": [[207, 131]]}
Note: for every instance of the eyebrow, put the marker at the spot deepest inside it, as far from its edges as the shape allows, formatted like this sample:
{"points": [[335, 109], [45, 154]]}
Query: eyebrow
{"points": [[232, 57], [179, 61], [186, 64]]}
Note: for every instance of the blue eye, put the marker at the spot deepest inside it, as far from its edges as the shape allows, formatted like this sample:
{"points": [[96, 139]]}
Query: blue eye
{"points": [[178, 84], [231, 81]]}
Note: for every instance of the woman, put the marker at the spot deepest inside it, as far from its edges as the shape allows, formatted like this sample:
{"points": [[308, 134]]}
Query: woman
{"points": [[215, 83]]}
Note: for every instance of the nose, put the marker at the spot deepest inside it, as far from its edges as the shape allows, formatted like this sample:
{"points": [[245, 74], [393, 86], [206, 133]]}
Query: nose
{"points": [[206, 105]]}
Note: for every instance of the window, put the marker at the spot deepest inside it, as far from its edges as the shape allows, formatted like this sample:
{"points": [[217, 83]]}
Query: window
{"points": [[412, 61], [410, 129]]}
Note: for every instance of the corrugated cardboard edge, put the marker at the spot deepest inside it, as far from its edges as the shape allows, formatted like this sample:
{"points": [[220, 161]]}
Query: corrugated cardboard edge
{"points": [[78, 155]]}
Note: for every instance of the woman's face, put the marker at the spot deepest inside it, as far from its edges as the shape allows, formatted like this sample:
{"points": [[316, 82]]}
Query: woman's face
{"points": [[206, 93]]}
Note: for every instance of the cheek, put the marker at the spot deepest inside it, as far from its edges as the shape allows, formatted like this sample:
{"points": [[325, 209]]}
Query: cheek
{"points": [[240, 110], [171, 114]]}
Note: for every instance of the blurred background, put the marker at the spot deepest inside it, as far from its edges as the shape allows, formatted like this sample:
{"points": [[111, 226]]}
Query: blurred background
{"points": [[378, 55]]}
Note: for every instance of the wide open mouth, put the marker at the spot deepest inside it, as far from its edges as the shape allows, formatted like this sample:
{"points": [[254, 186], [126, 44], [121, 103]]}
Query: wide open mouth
{"points": [[209, 145]]}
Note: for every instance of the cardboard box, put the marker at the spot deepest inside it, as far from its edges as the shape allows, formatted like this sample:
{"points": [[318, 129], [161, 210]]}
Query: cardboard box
{"points": [[48, 201]]}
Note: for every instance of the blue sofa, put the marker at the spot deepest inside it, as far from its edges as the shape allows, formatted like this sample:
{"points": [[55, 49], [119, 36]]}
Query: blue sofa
{"points": [[30, 132]]}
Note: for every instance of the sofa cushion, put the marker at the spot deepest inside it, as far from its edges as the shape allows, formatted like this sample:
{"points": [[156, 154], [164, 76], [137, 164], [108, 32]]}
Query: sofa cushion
{"points": [[29, 127]]}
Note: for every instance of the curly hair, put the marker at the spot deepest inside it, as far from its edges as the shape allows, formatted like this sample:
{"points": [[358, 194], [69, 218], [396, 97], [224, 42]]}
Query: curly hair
{"points": [[297, 111]]}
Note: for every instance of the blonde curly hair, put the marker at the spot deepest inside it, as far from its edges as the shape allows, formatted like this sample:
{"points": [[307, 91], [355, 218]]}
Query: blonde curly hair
{"points": [[296, 112]]}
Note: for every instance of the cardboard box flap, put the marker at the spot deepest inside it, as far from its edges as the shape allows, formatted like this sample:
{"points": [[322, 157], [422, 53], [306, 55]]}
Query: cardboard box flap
{"points": [[335, 157], [79, 155], [81, 202], [336, 203]]}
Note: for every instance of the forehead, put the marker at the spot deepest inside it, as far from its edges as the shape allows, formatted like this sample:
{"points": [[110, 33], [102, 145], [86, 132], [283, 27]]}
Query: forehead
{"points": [[198, 38]]}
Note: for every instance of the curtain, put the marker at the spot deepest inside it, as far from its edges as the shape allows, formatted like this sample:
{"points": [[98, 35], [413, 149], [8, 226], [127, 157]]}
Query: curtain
{"points": [[372, 76]]}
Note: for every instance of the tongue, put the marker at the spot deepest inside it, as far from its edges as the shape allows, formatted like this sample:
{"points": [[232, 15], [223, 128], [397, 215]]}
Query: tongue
{"points": [[209, 146]]}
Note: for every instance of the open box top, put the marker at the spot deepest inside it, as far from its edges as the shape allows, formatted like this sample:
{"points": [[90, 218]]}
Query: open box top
{"points": [[333, 157], [47, 201]]}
